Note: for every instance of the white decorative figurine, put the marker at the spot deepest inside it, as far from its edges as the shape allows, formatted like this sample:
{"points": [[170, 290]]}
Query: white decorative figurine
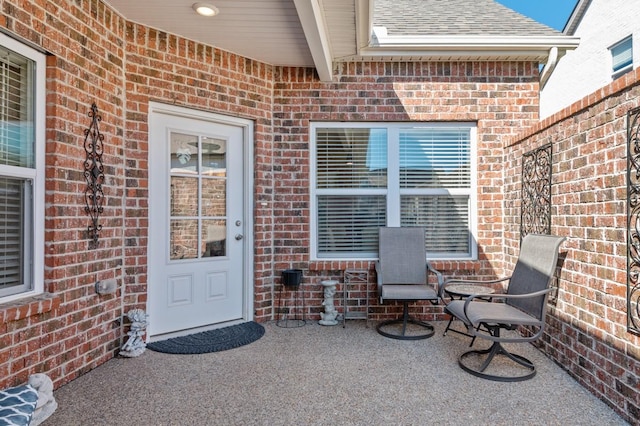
{"points": [[330, 312], [46, 404], [135, 345]]}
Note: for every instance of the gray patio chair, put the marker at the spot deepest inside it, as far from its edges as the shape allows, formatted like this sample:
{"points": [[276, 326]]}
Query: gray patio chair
{"points": [[523, 305], [402, 276]]}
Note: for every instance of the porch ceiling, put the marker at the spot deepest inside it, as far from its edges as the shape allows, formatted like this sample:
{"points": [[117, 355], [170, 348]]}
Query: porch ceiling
{"points": [[320, 33], [270, 31]]}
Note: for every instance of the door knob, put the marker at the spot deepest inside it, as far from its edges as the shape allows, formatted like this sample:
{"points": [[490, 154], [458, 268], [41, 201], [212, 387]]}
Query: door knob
{"points": [[239, 237]]}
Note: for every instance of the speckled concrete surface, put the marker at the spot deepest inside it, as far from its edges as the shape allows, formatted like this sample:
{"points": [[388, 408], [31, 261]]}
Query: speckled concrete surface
{"points": [[317, 375]]}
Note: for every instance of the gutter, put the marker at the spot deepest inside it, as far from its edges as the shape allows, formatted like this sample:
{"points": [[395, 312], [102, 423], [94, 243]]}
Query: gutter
{"points": [[543, 49], [381, 41], [549, 67]]}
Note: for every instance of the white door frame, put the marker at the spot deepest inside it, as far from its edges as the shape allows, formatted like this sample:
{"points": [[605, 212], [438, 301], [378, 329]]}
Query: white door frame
{"points": [[247, 130]]}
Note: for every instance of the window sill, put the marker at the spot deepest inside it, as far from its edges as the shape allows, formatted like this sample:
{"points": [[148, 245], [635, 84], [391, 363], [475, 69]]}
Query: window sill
{"points": [[28, 307]]}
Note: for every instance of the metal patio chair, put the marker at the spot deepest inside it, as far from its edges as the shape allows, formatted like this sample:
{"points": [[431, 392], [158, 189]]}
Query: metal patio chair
{"points": [[402, 273], [523, 305]]}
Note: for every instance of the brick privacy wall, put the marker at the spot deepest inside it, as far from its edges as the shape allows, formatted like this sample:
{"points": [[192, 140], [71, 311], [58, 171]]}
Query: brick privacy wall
{"points": [[587, 317], [501, 97], [70, 329]]}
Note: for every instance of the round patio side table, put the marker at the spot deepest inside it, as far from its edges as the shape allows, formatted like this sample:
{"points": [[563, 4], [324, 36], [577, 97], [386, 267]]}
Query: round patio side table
{"points": [[462, 291]]}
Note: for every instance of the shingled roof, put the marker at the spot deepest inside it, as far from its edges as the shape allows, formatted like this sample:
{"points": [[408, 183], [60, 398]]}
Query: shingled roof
{"points": [[454, 18], [455, 30]]}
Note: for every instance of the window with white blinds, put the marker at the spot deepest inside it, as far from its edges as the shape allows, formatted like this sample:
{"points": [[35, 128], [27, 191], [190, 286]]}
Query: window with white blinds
{"points": [[392, 174], [622, 56], [20, 180]]}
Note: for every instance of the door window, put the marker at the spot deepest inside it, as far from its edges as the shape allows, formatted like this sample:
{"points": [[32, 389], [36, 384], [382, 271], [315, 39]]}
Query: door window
{"points": [[198, 196]]}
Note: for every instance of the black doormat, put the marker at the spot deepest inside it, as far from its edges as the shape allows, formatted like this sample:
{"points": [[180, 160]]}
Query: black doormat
{"points": [[217, 340]]}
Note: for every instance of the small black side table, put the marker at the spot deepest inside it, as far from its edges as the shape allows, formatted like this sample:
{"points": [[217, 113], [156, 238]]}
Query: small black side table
{"points": [[289, 316], [462, 291]]}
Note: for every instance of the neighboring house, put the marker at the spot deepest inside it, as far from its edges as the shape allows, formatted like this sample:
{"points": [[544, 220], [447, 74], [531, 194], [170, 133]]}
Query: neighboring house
{"points": [[609, 48], [279, 134]]}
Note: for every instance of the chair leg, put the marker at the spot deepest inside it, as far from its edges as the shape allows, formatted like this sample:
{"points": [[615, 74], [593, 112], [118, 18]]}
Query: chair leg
{"points": [[448, 328], [406, 320], [496, 349]]}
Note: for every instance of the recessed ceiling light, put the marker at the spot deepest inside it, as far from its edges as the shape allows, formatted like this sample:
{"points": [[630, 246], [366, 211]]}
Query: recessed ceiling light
{"points": [[205, 9]]}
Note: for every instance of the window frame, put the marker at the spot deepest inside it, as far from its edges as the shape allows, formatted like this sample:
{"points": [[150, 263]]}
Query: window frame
{"points": [[394, 196], [617, 72], [33, 250]]}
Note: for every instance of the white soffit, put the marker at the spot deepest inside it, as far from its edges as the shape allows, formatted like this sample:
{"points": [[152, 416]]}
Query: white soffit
{"points": [[266, 30]]}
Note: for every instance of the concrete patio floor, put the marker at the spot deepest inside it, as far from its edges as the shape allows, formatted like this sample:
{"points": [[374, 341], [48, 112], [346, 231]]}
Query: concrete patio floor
{"points": [[317, 375]]}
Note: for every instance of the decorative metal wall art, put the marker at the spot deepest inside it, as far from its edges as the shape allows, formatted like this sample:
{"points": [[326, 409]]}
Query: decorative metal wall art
{"points": [[535, 213], [633, 221], [94, 174]]}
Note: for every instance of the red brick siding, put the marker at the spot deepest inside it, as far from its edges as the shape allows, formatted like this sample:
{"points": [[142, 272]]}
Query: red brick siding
{"points": [[501, 97], [162, 67], [587, 321], [99, 57], [92, 49], [78, 329]]}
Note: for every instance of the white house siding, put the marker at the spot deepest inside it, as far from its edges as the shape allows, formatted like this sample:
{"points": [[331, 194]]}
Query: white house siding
{"points": [[588, 68]]}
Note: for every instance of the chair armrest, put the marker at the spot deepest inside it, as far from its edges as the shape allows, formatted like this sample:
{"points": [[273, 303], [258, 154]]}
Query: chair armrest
{"points": [[439, 277], [457, 281], [479, 282], [504, 296]]}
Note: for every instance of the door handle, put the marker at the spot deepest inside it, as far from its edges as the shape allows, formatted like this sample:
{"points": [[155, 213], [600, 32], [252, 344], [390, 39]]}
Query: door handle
{"points": [[239, 237]]}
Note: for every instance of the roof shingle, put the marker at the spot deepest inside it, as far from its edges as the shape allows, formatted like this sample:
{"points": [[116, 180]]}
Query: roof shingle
{"points": [[455, 18]]}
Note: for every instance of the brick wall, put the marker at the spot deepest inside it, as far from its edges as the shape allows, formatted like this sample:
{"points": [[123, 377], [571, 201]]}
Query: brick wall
{"points": [[162, 67], [96, 56], [587, 332], [71, 329], [501, 97]]}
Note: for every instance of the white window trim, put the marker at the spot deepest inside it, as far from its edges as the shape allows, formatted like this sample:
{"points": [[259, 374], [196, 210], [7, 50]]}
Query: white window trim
{"points": [[37, 249], [617, 73], [393, 218]]}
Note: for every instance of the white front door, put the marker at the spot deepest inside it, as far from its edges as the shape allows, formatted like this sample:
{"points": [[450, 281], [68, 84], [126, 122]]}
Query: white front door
{"points": [[197, 272]]}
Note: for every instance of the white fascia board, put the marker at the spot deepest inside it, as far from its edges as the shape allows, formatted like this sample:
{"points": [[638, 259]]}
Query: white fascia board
{"points": [[315, 31], [385, 45]]}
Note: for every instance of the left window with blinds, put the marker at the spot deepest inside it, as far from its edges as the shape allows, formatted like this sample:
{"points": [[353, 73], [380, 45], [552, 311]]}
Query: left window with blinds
{"points": [[22, 86]]}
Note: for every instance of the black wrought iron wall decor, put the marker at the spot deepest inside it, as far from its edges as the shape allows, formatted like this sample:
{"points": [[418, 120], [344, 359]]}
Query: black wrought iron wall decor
{"points": [[535, 212], [633, 221], [94, 174]]}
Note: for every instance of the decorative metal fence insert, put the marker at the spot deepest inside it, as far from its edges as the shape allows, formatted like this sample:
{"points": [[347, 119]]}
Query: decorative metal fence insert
{"points": [[535, 212], [633, 220]]}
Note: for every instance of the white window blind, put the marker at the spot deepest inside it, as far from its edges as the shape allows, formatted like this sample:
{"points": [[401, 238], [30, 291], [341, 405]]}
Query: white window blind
{"points": [[349, 224], [434, 158], [392, 174], [351, 181], [11, 244], [445, 219], [622, 55]]}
